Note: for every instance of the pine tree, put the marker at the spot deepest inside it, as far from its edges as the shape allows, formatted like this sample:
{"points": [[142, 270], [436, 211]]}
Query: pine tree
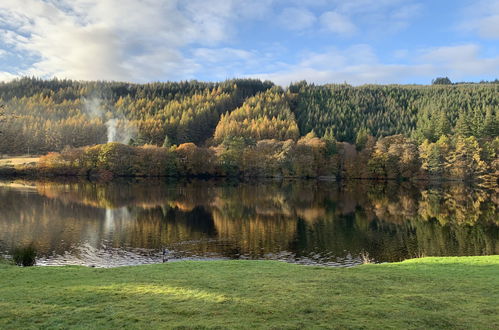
{"points": [[477, 123], [425, 126], [166, 142], [462, 127], [330, 141], [361, 138], [442, 125], [490, 125]]}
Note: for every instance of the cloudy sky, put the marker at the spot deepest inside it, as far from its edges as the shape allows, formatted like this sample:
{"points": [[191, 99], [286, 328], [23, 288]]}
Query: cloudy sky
{"points": [[321, 41]]}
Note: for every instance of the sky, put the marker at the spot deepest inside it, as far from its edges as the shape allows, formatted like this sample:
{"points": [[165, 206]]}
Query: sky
{"points": [[321, 41]]}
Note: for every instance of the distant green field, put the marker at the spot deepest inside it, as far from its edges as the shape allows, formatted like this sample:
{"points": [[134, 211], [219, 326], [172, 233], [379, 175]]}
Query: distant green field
{"points": [[420, 293]]}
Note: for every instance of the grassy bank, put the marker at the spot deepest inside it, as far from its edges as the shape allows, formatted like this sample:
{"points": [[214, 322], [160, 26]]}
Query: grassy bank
{"points": [[19, 161], [18, 166], [420, 293]]}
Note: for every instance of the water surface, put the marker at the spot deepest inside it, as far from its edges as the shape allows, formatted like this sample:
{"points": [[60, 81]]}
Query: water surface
{"points": [[303, 221]]}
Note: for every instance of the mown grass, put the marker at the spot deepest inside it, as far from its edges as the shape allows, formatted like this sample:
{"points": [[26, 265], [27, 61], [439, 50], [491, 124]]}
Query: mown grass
{"points": [[421, 293]]}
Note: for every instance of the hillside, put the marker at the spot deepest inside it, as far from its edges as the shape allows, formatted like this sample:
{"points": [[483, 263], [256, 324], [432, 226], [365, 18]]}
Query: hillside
{"points": [[375, 131]]}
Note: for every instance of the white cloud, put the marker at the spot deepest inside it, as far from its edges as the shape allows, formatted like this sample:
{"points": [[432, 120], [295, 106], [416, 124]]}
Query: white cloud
{"points": [[176, 39], [489, 26], [348, 18], [356, 74], [215, 55], [359, 65], [461, 61], [380, 16], [450, 53], [118, 39], [482, 18], [369, 6], [6, 76], [337, 23], [293, 18], [225, 63], [401, 17]]}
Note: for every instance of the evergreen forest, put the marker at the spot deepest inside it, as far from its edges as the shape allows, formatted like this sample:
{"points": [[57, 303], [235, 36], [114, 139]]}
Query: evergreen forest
{"points": [[253, 128]]}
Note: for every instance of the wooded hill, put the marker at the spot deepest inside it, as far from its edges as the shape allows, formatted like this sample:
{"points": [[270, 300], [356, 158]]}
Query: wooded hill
{"points": [[424, 128]]}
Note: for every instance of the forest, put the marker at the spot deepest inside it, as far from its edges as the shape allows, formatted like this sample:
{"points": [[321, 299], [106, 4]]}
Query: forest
{"points": [[253, 128]]}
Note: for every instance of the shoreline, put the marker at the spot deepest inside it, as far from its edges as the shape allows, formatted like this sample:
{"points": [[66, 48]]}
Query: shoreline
{"points": [[30, 174]]}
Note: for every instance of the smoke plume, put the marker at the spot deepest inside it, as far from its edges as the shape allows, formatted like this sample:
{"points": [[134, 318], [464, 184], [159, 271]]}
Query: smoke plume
{"points": [[111, 125], [118, 129]]}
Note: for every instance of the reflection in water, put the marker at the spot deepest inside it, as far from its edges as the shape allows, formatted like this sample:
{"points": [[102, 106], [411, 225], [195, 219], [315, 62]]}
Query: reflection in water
{"points": [[117, 223]]}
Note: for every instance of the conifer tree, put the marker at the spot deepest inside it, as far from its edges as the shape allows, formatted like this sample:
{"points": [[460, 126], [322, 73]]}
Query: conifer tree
{"points": [[490, 125], [462, 127], [166, 142], [330, 141], [442, 125], [361, 138]]}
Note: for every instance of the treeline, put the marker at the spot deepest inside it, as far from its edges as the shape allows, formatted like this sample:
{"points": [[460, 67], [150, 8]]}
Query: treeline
{"points": [[265, 116], [393, 157], [253, 128], [420, 112], [38, 116]]}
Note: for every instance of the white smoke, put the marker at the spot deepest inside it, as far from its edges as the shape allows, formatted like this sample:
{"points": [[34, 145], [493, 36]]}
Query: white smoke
{"points": [[111, 125], [118, 129], [93, 107]]}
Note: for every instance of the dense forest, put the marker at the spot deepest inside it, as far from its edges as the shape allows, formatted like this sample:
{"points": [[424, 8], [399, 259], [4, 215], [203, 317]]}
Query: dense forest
{"points": [[246, 127]]}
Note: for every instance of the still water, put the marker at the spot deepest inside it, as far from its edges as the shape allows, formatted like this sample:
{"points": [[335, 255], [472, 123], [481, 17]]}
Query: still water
{"points": [[303, 221]]}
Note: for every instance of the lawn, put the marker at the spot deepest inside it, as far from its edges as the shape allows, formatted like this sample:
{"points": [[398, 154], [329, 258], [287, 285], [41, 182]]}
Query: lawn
{"points": [[420, 293]]}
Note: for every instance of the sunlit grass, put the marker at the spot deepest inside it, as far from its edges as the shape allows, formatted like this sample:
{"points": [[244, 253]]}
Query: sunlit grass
{"points": [[162, 290], [419, 293], [19, 161]]}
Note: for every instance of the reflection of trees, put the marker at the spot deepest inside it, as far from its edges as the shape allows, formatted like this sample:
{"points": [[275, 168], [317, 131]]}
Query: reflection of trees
{"points": [[254, 219], [114, 194], [255, 235], [389, 220], [26, 216], [164, 226], [458, 204], [451, 239]]}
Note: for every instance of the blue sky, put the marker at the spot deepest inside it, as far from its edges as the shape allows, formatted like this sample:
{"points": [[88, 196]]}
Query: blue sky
{"points": [[321, 41]]}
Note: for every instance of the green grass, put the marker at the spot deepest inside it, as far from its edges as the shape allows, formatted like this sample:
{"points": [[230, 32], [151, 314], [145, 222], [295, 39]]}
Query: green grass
{"points": [[420, 293], [4, 261]]}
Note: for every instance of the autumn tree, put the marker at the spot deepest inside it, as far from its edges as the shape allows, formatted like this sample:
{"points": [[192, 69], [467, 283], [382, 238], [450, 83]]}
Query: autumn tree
{"points": [[464, 161]]}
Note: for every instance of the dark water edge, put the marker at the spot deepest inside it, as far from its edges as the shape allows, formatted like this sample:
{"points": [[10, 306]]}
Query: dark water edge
{"points": [[35, 174], [130, 221]]}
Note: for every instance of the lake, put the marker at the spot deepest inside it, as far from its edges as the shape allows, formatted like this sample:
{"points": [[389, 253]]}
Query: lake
{"points": [[129, 222]]}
